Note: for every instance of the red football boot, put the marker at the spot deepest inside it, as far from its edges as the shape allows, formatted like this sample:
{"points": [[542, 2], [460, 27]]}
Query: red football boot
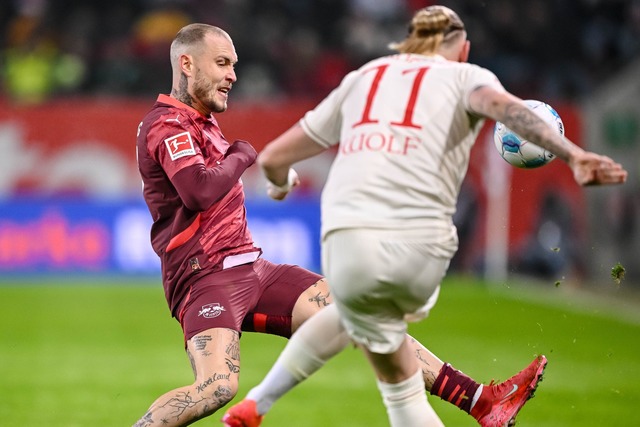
{"points": [[500, 403]]}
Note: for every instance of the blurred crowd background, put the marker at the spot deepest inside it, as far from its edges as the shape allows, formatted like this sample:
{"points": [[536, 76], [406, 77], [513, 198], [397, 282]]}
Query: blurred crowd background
{"points": [[551, 49]]}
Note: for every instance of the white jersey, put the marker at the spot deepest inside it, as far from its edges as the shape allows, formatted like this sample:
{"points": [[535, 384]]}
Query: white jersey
{"points": [[405, 134]]}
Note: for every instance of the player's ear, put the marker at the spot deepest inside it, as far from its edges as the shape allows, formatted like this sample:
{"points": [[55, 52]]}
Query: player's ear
{"points": [[464, 51], [186, 64]]}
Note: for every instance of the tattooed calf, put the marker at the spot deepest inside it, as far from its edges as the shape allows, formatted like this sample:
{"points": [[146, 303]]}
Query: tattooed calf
{"points": [[181, 403], [146, 420]]}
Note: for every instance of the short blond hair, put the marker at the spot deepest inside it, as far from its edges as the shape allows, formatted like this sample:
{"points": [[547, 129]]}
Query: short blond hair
{"points": [[191, 37], [429, 28]]}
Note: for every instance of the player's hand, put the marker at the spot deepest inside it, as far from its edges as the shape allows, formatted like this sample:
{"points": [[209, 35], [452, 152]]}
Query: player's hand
{"points": [[279, 192], [594, 169], [242, 148]]}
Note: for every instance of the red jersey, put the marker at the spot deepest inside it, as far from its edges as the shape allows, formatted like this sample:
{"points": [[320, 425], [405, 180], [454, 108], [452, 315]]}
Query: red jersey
{"points": [[194, 193]]}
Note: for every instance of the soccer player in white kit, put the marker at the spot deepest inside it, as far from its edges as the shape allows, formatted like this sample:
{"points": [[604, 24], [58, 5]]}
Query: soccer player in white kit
{"points": [[405, 125]]}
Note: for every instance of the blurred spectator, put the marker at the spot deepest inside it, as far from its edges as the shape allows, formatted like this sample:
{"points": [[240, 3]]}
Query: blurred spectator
{"points": [[629, 41], [115, 66], [152, 36], [34, 66], [538, 48]]}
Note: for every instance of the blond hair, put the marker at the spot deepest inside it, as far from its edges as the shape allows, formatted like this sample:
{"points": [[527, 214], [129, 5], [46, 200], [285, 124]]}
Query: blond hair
{"points": [[190, 37], [430, 27]]}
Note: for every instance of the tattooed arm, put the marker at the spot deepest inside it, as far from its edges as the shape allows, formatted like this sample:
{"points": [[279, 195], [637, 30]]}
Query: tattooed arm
{"points": [[588, 168], [514, 113]]}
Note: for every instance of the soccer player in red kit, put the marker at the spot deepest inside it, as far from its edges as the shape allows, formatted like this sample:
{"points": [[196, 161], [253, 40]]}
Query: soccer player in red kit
{"points": [[216, 283]]}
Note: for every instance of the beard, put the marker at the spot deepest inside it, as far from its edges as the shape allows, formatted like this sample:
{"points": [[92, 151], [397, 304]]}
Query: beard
{"points": [[205, 92]]}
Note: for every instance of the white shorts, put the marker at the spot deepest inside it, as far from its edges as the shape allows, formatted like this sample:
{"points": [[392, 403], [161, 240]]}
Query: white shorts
{"points": [[381, 279]]}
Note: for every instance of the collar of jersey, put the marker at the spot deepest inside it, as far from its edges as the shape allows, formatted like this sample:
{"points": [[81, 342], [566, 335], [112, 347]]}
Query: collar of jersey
{"points": [[435, 56], [166, 99]]}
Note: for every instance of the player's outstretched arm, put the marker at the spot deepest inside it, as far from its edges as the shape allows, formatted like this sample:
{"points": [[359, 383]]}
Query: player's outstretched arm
{"points": [[588, 168], [280, 154], [504, 107]]}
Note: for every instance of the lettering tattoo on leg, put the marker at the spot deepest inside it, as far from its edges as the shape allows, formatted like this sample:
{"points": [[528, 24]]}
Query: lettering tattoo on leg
{"points": [[213, 378], [200, 343]]}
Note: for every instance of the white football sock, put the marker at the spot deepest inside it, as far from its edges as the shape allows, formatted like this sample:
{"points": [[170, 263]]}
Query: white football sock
{"points": [[311, 346], [476, 396], [407, 404]]}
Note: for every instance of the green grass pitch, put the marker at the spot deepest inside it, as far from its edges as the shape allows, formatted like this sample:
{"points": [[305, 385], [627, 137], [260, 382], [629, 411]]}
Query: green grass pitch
{"points": [[97, 354]]}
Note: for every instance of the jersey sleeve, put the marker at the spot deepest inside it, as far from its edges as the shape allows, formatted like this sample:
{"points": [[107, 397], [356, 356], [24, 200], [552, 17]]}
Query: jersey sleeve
{"points": [[323, 123], [174, 146], [476, 77], [177, 149]]}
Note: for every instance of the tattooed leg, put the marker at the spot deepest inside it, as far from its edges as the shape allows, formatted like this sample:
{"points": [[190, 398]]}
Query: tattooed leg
{"points": [[215, 359], [312, 300], [429, 363]]}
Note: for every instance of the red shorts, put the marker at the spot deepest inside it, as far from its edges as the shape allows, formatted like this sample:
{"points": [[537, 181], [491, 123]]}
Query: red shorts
{"points": [[256, 297]]}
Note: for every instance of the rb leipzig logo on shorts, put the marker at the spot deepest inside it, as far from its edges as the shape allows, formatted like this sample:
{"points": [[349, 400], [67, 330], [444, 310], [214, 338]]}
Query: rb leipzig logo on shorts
{"points": [[210, 311]]}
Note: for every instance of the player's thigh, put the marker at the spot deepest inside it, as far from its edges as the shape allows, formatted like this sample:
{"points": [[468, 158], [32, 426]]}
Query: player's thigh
{"points": [[289, 295], [312, 300], [215, 359]]}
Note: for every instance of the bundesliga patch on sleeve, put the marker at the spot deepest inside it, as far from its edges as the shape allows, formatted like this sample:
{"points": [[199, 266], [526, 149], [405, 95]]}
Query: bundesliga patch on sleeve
{"points": [[180, 145]]}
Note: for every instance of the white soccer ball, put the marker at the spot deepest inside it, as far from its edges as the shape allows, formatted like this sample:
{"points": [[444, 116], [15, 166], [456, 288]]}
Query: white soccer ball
{"points": [[518, 151]]}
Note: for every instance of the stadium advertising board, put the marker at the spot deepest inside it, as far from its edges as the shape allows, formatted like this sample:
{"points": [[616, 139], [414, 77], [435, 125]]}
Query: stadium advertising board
{"points": [[77, 236]]}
